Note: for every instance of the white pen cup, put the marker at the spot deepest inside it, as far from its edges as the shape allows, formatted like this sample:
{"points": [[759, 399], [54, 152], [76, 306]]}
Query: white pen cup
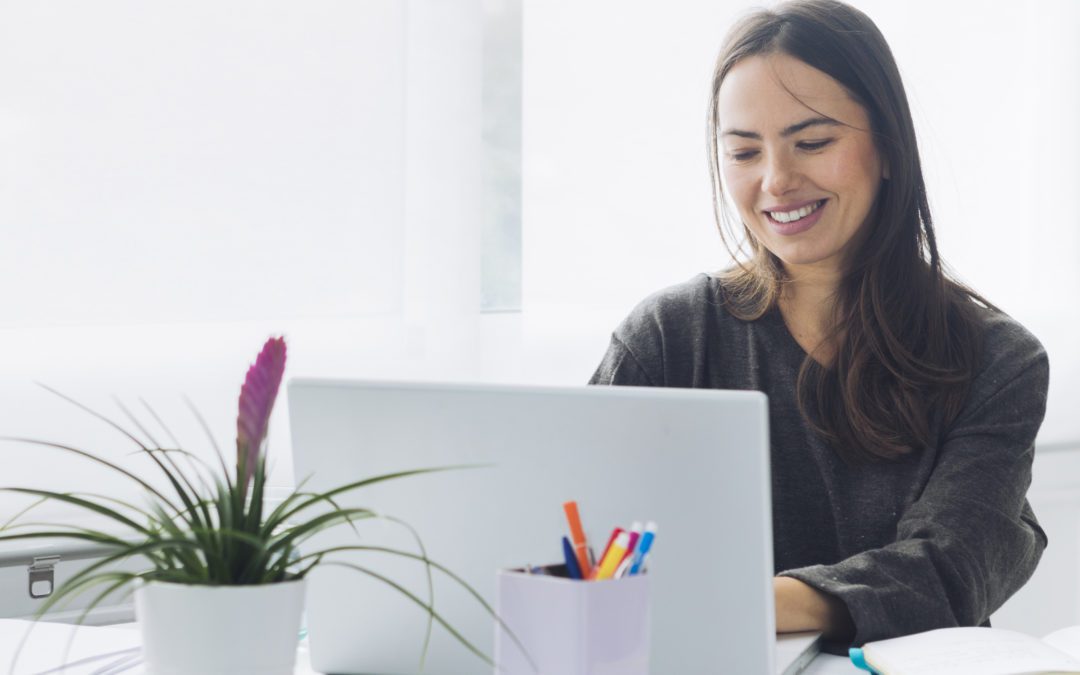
{"points": [[570, 627]]}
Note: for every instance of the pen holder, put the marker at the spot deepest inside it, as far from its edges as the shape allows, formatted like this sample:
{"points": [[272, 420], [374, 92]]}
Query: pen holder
{"points": [[570, 627]]}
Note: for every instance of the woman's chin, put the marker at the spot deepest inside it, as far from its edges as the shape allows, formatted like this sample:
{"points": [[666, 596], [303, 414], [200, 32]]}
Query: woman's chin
{"points": [[802, 258]]}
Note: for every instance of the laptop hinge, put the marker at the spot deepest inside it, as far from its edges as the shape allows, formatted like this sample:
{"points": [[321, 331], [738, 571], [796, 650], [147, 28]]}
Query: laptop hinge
{"points": [[41, 576]]}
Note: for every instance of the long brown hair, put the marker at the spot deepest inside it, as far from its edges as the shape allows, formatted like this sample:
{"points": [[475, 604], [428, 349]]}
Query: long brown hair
{"points": [[906, 335]]}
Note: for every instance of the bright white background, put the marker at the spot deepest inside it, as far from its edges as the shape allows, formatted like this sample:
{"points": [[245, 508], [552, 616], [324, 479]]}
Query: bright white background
{"points": [[180, 181]]}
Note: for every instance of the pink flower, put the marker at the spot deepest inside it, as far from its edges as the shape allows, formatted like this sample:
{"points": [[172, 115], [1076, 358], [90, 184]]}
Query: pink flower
{"points": [[256, 402]]}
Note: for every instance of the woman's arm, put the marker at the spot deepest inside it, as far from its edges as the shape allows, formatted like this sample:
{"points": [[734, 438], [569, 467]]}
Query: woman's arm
{"points": [[800, 607], [969, 540]]}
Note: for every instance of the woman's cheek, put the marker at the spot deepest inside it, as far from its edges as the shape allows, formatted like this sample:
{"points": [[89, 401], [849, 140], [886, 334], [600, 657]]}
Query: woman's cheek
{"points": [[740, 188]]}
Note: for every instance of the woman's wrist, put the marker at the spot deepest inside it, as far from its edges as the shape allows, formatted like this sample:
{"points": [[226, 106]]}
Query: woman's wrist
{"points": [[801, 607]]}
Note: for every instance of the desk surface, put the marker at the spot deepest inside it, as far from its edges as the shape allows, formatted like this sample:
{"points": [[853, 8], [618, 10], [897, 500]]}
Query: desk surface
{"points": [[827, 664], [823, 664], [124, 638]]}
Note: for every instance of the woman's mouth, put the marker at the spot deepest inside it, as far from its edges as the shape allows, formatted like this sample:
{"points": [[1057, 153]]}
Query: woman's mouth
{"points": [[798, 220]]}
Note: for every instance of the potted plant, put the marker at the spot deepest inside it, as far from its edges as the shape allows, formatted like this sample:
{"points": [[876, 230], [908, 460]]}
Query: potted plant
{"points": [[224, 584]]}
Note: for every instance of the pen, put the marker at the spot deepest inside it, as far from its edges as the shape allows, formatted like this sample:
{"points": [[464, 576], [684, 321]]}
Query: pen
{"points": [[635, 537], [578, 535], [573, 568], [613, 557], [643, 548], [611, 540]]}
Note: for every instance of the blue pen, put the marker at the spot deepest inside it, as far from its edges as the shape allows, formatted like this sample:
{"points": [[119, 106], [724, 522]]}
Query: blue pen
{"points": [[859, 660], [573, 569], [643, 548]]}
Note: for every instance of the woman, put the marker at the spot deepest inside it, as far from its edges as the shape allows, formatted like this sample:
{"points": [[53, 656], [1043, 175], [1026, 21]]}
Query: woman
{"points": [[903, 407]]}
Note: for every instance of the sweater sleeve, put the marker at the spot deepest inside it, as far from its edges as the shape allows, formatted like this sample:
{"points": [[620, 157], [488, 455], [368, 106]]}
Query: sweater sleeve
{"points": [[970, 540], [620, 367], [636, 353]]}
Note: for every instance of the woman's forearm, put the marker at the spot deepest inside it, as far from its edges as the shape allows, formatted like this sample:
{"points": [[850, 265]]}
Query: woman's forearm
{"points": [[800, 607]]}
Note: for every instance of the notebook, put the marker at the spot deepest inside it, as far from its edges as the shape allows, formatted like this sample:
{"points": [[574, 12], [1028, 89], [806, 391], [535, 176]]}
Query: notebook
{"points": [[973, 651], [693, 461]]}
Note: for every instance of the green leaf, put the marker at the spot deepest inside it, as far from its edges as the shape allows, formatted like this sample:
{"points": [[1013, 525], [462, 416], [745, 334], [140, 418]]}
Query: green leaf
{"points": [[213, 443], [88, 455], [461, 582], [428, 608], [372, 481], [94, 413], [83, 503]]}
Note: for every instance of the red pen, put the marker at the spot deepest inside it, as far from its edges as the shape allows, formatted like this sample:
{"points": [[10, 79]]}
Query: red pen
{"points": [[611, 540]]}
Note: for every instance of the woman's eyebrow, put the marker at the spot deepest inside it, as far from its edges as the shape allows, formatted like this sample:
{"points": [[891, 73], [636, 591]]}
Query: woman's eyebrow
{"points": [[788, 131]]}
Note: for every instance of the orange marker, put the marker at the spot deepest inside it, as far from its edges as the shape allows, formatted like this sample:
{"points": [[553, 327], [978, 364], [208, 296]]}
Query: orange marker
{"points": [[577, 535]]}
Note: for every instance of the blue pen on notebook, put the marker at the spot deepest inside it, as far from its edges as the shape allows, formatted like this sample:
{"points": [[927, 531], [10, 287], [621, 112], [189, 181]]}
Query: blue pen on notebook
{"points": [[573, 569], [643, 548], [859, 661]]}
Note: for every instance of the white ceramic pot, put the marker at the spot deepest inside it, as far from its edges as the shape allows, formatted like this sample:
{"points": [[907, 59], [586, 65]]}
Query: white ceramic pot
{"points": [[219, 630]]}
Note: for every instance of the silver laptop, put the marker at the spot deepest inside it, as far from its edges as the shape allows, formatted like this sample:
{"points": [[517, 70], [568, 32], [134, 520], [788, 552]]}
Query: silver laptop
{"points": [[693, 461]]}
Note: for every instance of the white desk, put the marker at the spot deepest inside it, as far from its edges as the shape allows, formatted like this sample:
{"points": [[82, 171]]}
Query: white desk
{"points": [[823, 664], [48, 636], [827, 664]]}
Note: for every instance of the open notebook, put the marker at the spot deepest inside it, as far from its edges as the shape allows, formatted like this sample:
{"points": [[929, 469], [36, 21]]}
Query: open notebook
{"points": [[973, 651]]}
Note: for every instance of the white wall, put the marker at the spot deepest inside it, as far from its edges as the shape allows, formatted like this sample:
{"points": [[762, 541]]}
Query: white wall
{"points": [[180, 182], [1051, 599], [189, 162]]}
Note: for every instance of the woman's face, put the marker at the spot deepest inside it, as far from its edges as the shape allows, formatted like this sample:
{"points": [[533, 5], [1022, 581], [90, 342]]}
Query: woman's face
{"points": [[801, 167]]}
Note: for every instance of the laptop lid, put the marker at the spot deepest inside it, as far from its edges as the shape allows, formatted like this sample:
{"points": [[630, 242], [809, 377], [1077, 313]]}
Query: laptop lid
{"points": [[694, 461], [795, 651]]}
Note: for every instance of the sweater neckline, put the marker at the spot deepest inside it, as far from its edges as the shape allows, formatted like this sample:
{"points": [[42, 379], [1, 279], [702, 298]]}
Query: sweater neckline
{"points": [[773, 319], [777, 319]]}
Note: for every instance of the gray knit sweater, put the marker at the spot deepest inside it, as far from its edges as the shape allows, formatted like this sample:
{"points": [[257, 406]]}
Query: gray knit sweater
{"points": [[938, 538]]}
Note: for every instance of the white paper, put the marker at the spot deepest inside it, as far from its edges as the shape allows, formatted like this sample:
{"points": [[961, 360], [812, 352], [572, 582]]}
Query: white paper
{"points": [[1066, 640], [968, 651]]}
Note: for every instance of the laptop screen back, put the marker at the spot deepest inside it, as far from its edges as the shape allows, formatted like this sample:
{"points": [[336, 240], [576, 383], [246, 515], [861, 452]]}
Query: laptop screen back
{"points": [[694, 461]]}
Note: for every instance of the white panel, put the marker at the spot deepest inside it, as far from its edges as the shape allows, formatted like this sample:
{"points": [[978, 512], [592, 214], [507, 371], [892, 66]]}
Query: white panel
{"points": [[443, 202], [259, 94], [200, 160], [1051, 599], [615, 181]]}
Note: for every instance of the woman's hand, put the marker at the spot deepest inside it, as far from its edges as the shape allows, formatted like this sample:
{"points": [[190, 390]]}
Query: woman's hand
{"points": [[800, 607]]}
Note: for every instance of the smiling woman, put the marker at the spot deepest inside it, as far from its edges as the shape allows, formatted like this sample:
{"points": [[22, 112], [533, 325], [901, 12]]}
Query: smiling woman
{"points": [[785, 175], [903, 406]]}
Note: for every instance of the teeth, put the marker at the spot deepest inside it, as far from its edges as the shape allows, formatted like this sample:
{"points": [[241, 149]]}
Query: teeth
{"points": [[788, 216]]}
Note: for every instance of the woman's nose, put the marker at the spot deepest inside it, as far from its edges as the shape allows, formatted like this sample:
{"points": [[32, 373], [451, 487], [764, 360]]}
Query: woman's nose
{"points": [[780, 176]]}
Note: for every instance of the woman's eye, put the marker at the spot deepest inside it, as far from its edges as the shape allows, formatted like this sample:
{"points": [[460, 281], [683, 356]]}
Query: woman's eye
{"points": [[744, 155], [814, 145]]}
